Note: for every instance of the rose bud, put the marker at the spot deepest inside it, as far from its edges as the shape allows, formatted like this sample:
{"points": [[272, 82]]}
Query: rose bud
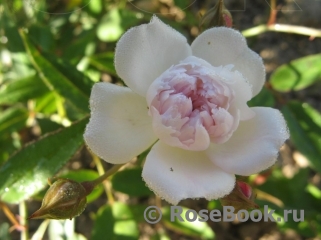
{"points": [[64, 199], [217, 16], [241, 197]]}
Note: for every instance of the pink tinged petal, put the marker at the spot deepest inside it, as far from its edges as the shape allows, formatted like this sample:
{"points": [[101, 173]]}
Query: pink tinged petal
{"points": [[202, 139], [254, 146], [168, 131], [145, 52], [223, 46], [224, 125], [119, 128], [175, 174]]}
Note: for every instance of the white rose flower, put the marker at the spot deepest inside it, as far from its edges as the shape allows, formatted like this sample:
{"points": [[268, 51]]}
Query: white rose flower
{"points": [[193, 100]]}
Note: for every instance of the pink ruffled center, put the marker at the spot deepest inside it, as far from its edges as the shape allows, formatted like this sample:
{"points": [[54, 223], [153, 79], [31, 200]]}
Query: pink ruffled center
{"points": [[190, 105]]}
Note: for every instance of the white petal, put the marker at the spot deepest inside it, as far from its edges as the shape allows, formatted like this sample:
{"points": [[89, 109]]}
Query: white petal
{"points": [[254, 146], [223, 46], [146, 51], [175, 174], [243, 94], [119, 128]]}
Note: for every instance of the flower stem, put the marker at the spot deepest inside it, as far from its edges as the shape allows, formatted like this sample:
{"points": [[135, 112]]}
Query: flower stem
{"points": [[90, 185], [9, 214], [108, 173], [23, 220], [106, 184], [312, 32]]}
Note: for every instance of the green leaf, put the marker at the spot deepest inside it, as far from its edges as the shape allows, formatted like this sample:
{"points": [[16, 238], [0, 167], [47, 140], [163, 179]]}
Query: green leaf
{"points": [[85, 175], [46, 125], [13, 119], [109, 29], [193, 229], [117, 222], [298, 74], [20, 68], [47, 104], [5, 231], [26, 172], [78, 48], [130, 181], [58, 77], [264, 98], [287, 190], [137, 211], [95, 6], [304, 124], [14, 41], [42, 36], [104, 224], [22, 90], [103, 62], [78, 79], [7, 148], [160, 236]]}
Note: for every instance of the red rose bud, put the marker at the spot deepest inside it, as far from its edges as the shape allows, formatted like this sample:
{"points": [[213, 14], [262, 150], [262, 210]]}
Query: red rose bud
{"points": [[245, 189], [64, 199], [227, 18], [241, 197], [217, 16]]}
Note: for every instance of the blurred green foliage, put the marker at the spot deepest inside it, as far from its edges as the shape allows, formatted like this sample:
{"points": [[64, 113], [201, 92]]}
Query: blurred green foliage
{"points": [[52, 52]]}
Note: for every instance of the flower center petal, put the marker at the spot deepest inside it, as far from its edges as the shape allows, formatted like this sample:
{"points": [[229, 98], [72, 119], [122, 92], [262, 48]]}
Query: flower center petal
{"points": [[191, 104]]}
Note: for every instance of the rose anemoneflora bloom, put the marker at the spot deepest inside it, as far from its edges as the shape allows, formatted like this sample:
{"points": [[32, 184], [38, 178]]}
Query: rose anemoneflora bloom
{"points": [[193, 100]]}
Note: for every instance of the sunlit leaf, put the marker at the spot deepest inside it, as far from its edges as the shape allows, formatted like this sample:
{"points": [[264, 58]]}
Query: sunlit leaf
{"points": [[109, 29], [47, 104], [22, 90], [103, 62], [298, 74], [56, 78], [26, 172], [95, 6]]}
